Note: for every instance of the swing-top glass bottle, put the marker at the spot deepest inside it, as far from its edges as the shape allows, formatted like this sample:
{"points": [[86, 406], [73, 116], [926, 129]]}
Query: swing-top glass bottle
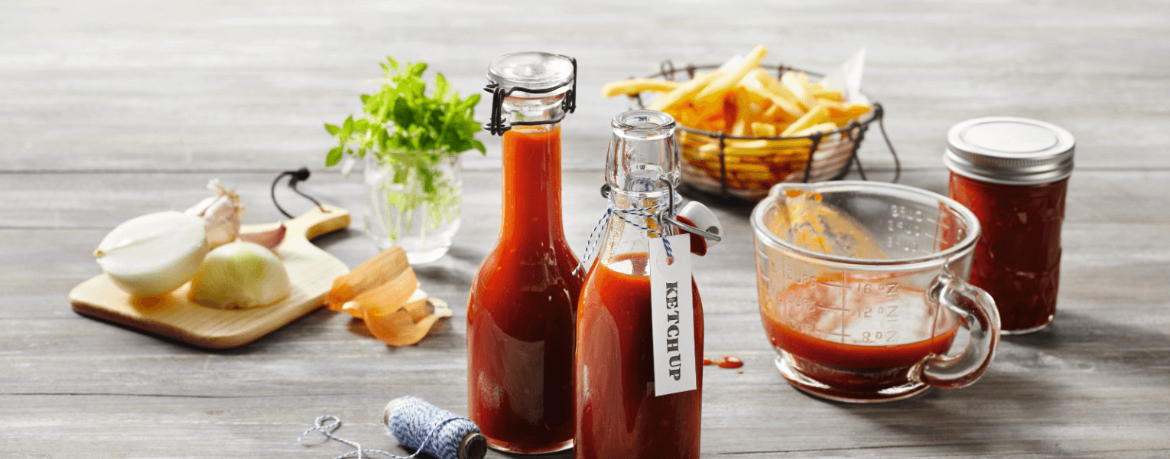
{"points": [[618, 412], [521, 314]]}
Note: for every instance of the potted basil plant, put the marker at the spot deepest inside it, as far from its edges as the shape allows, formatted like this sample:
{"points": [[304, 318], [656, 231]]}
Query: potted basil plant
{"points": [[411, 142]]}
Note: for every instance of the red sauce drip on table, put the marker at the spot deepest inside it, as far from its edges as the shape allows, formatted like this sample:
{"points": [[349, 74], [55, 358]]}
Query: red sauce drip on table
{"points": [[521, 316], [1017, 259], [618, 414], [730, 361]]}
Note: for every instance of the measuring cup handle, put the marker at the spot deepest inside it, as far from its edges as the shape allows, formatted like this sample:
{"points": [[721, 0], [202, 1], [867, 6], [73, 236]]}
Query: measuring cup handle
{"points": [[976, 309]]}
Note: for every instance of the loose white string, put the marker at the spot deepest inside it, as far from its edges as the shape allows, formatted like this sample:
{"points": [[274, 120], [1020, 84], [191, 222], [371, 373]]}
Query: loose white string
{"points": [[326, 429]]}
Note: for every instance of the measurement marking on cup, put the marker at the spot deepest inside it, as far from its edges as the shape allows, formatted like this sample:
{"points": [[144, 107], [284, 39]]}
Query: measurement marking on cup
{"points": [[844, 309], [889, 311], [870, 337], [870, 288]]}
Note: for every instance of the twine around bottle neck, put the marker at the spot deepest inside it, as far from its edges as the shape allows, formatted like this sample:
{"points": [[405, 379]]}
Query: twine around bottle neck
{"points": [[623, 206]]}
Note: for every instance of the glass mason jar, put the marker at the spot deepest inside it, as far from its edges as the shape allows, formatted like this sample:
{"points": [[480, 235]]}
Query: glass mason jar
{"points": [[1013, 174], [401, 213]]}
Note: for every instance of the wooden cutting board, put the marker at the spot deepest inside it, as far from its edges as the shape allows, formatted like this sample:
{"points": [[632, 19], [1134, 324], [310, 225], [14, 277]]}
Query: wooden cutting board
{"points": [[310, 270]]}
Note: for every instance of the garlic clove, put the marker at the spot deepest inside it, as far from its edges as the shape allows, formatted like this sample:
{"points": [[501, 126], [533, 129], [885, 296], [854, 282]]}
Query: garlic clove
{"points": [[221, 213], [153, 254], [198, 209], [268, 238]]}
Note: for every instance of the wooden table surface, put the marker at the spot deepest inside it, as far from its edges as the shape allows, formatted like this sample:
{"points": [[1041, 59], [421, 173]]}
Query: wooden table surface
{"points": [[113, 109]]}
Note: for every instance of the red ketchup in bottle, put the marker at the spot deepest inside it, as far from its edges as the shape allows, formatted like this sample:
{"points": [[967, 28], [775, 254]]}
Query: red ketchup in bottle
{"points": [[618, 410], [521, 314]]}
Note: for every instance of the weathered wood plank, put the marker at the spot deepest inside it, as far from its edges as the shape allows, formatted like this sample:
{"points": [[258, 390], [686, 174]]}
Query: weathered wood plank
{"points": [[96, 201], [247, 86]]}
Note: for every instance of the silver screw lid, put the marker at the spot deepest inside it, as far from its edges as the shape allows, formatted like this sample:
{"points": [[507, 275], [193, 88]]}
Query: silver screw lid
{"points": [[1008, 150], [532, 70]]}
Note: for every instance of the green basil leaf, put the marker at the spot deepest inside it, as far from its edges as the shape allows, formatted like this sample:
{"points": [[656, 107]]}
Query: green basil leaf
{"points": [[334, 157]]}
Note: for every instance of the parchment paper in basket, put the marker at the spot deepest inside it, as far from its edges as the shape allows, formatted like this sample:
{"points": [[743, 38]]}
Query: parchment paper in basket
{"points": [[847, 79]]}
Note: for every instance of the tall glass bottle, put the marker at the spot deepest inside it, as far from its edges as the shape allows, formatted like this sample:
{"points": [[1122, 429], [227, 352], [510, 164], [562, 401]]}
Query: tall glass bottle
{"points": [[618, 413], [521, 315]]}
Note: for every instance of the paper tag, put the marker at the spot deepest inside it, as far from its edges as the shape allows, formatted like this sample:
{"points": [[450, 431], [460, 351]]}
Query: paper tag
{"points": [[673, 316]]}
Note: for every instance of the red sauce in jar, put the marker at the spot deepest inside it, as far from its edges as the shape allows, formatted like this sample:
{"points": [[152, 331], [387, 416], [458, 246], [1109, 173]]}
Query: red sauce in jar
{"points": [[618, 414], [1013, 175], [1017, 259], [521, 314]]}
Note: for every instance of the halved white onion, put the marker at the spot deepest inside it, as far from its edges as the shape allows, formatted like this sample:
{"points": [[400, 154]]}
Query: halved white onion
{"points": [[153, 254]]}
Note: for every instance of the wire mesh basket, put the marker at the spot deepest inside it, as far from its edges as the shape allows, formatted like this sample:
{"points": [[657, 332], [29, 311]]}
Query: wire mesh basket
{"points": [[746, 167]]}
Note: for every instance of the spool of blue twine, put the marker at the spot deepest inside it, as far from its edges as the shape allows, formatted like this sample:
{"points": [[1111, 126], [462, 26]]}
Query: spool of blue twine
{"points": [[418, 425], [438, 432]]}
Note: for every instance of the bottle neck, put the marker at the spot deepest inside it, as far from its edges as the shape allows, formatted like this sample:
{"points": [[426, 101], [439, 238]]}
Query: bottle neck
{"points": [[641, 170], [633, 223], [532, 183]]}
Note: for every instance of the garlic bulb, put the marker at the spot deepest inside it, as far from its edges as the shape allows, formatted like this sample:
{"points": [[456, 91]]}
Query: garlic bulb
{"points": [[240, 275], [221, 214], [153, 254]]}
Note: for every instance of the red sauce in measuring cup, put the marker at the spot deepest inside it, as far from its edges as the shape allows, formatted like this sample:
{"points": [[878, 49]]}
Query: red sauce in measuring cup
{"points": [[618, 412], [859, 345]]}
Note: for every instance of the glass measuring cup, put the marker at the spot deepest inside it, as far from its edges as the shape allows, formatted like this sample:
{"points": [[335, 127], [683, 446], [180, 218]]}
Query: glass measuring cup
{"points": [[863, 290]]}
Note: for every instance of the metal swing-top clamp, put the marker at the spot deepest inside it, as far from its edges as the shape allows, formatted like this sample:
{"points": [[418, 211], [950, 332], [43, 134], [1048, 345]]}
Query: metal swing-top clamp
{"points": [[693, 211], [497, 125]]}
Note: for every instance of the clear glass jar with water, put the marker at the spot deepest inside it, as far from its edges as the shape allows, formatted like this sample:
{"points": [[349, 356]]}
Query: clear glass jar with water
{"points": [[404, 210]]}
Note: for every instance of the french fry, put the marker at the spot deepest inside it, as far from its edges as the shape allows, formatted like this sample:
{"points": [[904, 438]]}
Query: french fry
{"points": [[756, 98], [828, 94], [819, 128], [763, 129], [843, 113], [781, 110], [797, 87], [751, 97], [784, 104], [686, 115], [719, 87], [740, 127], [757, 148], [637, 85], [684, 92], [818, 115]]}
